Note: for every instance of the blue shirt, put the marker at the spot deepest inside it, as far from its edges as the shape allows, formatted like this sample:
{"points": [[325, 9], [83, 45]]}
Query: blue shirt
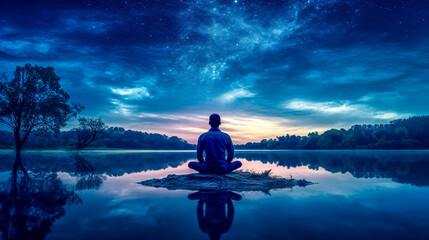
{"points": [[215, 143]]}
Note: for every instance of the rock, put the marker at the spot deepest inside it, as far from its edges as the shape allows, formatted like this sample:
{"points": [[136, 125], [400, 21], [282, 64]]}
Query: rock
{"points": [[236, 181]]}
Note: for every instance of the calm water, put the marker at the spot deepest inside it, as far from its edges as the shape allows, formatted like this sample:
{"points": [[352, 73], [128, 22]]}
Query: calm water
{"points": [[94, 195]]}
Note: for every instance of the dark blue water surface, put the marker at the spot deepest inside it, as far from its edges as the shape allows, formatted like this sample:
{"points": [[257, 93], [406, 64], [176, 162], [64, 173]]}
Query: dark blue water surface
{"points": [[94, 195]]}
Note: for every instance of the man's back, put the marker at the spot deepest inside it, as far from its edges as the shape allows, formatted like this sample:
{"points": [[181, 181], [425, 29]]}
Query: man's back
{"points": [[215, 143]]}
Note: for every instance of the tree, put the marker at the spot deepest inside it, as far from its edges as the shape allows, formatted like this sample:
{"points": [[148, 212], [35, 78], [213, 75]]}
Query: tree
{"points": [[88, 130], [33, 100]]}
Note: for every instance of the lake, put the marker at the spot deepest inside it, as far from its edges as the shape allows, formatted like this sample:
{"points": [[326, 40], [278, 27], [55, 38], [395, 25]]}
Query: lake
{"points": [[95, 195]]}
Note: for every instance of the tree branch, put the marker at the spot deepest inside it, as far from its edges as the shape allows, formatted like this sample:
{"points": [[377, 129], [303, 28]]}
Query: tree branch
{"points": [[2, 121], [27, 134]]}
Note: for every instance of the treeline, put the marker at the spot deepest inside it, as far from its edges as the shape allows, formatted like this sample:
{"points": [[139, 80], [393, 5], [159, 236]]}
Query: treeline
{"points": [[112, 137], [411, 133]]}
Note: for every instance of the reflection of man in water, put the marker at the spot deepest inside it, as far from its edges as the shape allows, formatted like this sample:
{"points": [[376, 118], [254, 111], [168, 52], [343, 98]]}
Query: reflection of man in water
{"points": [[211, 214], [214, 143]]}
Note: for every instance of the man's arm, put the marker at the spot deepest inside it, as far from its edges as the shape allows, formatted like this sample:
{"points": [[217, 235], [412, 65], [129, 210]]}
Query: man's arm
{"points": [[200, 150], [230, 150]]}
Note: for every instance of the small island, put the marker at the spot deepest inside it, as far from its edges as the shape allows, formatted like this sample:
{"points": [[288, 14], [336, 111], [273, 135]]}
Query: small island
{"points": [[235, 181]]}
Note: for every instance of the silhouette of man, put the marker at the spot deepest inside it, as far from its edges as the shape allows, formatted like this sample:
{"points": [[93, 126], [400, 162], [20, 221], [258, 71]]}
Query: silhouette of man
{"points": [[214, 143], [215, 211]]}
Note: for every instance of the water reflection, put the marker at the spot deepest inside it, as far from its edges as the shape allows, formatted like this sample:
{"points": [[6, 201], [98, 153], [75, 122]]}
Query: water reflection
{"points": [[118, 208], [85, 172], [411, 167], [111, 163], [215, 211], [31, 202]]}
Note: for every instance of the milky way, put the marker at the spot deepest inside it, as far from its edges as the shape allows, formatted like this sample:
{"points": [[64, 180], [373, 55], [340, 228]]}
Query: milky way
{"points": [[267, 67]]}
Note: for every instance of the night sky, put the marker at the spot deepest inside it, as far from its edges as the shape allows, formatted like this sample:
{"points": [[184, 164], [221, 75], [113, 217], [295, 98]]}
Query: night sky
{"points": [[267, 67]]}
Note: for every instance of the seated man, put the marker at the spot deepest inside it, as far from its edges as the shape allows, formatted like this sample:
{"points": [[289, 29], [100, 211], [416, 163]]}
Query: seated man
{"points": [[215, 143]]}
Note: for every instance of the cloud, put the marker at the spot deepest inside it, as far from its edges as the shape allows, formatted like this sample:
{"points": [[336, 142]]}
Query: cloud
{"points": [[121, 108], [341, 108], [132, 93], [22, 46], [233, 95], [323, 107]]}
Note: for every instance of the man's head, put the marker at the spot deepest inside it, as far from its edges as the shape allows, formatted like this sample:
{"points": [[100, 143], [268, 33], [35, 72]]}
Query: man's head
{"points": [[214, 120]]}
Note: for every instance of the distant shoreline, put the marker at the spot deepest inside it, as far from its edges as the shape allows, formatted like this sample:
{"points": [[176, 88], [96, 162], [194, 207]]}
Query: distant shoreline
{"points": [[187, 150], [400, 134]]}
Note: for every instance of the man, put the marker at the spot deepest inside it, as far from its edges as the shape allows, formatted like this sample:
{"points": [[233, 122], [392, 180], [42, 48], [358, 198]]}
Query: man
{"points": [[214, 143]]}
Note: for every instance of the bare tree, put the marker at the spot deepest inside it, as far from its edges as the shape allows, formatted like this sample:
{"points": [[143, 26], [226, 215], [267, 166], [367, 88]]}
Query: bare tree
{"points": [[89, 129]]}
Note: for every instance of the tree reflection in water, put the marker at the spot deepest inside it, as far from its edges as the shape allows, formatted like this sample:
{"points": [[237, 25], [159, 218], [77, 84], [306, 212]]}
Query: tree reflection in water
{"points": [[411, 167], [85, 172], [215, 211], [30, 204]]}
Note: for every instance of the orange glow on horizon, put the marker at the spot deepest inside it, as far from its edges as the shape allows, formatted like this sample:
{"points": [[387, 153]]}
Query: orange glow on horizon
{"points": [[242, 129]]}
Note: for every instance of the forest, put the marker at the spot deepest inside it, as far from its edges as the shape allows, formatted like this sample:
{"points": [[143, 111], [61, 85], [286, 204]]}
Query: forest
{"points": [[112, 137], [411, 133]]}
